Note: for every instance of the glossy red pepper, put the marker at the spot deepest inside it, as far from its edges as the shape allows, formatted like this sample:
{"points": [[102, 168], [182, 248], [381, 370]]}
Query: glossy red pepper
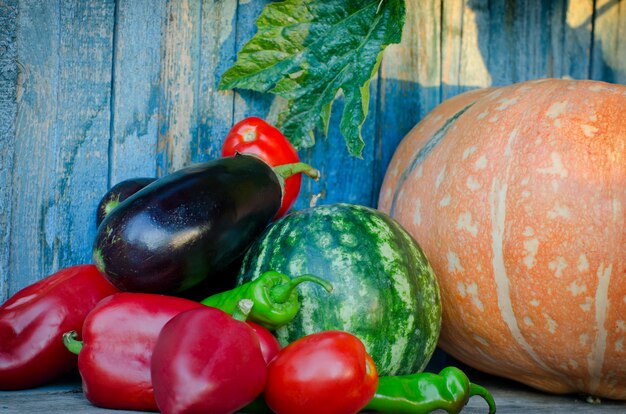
{"points": [[33, 320], [327, 372], [118, 339], [206, 360], [255, 136], [270, 347]]}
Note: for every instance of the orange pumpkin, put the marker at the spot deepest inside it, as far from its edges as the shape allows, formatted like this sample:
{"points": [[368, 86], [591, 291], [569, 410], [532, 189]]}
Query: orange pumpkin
{"points": [[517, 195]]}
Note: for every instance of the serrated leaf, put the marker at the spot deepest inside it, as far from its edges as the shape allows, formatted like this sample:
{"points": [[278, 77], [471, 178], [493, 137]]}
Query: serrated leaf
{"points": [[306, 51]]}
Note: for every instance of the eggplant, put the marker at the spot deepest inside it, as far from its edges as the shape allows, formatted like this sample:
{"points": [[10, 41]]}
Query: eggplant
{"points": [[118, 193], [191, 225]]}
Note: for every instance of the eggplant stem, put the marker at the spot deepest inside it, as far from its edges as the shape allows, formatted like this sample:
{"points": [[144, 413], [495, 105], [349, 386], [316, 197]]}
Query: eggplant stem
{"points": [[287, 170]]}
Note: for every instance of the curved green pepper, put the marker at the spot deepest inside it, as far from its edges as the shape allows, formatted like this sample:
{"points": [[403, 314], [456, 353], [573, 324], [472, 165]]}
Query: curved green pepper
{"points": [[425, 392], [274, 296]]}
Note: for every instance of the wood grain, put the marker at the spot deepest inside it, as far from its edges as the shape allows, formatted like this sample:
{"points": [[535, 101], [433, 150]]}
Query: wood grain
{"points": [[61, 137], [410, 77], [35, 143], [135, 91], [608, 55], [83, 127], [65, 396], [178, 117], [8, 113], [249, 103], [217, 53]]}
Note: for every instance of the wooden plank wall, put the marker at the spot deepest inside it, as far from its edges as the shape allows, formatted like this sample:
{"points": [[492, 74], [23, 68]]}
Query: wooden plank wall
{"points": [[96, 91]]}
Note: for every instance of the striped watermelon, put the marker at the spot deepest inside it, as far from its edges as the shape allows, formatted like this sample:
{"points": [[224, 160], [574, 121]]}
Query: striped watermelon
{"points": [[385, 291]]}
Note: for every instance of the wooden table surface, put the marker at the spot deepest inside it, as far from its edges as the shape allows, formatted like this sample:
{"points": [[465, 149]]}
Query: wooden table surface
{"points": [[65, 396]]}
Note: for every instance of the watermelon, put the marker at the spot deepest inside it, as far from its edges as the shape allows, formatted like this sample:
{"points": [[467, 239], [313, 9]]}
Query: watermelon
{"points": [[385, 291]]}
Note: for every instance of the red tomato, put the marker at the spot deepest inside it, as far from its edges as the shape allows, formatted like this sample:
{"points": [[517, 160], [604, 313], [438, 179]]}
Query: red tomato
{"points": [[255, 136], [327, 372]]}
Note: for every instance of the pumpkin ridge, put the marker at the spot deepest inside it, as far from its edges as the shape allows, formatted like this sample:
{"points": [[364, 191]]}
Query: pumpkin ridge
{"points": [[421, 155]]}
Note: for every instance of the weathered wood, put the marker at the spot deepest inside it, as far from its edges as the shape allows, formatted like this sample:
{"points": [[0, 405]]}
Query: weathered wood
{"points": [[65, 396], [61, 137], [135, 93], [609, 43], [37, 44], [82, 127], [249, 103], [217, 53], [462, 65], [410, 77], [343, 178], [576, 48], [8, 112], [178, 117]]}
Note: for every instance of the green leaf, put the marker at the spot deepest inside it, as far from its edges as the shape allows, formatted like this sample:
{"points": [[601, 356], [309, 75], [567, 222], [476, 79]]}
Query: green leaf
{"points": [[307, 51]]}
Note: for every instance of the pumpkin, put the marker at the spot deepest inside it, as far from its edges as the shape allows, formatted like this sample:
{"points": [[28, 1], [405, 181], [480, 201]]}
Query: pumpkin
{"points": [[517, 195]]}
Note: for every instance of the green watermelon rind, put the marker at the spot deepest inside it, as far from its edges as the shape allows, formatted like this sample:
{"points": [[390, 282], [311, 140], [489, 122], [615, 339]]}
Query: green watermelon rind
{"points": [[385, 291]]}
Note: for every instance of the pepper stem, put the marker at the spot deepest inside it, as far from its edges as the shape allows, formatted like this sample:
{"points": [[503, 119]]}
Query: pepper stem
{"points": [[281, 293], [244, 306], [287, 170], [478, 390], [71, 342]]}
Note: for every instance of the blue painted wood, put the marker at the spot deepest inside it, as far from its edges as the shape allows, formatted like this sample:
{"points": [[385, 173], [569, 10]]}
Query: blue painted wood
{"points": [[249, 103], [8, 113], [343, 178], [199, 43], [62, 130], [410, 84], [107, 93], [135, 92], [35, 143], [217, 53], [83, 126], [179, 85]]}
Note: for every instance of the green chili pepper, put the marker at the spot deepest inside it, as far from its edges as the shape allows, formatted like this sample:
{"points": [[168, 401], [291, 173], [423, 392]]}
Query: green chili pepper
{"points": [[274, 295], [425, 392]]}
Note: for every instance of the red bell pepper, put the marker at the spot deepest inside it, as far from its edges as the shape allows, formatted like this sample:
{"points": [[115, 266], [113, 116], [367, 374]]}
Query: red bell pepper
{"points": [[270, 347], [206, 360], [118, 338], [33, 320], [255, 136]]}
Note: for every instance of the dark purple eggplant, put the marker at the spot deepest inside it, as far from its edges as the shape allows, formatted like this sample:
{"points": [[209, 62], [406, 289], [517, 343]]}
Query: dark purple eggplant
{"points": [[118, 193], [191, 225]]}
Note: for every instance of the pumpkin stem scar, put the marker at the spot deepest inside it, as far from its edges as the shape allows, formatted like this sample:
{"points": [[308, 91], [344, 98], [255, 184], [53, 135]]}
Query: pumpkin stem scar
{"points": [[421, 155]]}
